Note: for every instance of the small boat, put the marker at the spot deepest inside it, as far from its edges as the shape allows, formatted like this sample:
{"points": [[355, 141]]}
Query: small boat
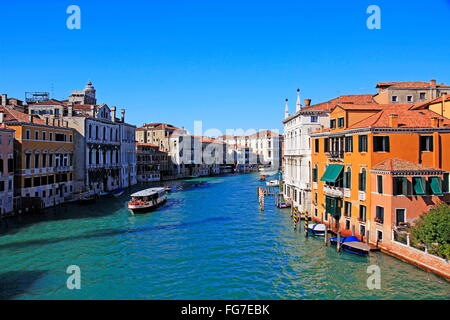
{"points": [[147, 200], [262, 178], [104, 193], [317, 229], [273, 183], [352, 245], [118, 192]]}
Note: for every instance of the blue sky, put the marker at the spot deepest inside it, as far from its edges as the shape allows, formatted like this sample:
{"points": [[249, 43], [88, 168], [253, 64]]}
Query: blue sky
{"points": [[228, 63]]}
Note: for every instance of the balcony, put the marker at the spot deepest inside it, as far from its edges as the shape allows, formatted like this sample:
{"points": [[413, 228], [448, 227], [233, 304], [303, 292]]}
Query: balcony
{"points": [[333, 191], [337, 155]]}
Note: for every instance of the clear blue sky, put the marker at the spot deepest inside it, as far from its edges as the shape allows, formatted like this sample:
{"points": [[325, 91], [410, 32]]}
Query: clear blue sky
{"points": [[229, 63]]}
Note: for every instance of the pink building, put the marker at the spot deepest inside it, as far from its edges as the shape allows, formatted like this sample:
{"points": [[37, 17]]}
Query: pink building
{"points": [[6, 170]]}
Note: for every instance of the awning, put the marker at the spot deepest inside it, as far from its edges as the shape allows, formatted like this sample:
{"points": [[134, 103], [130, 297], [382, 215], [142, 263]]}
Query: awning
{"points": [[419, 185], [332, 173], [435, 184]]}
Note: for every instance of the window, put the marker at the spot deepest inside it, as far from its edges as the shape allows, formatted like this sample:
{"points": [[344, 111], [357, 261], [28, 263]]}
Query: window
{"points": [[333, 123], [409, 98], [340, 122], [362, 230], [316, 145], [394, 99], [400, 185], [348, 178], [362, 213], [445, 183], [27, 134], [27, 182], [380, 184], [43, 135], [347, 209], [379, 236], [10, 165], [347, 224], [326, 145], [60, 137], [349, 144], [36, 161], [381, 144], [51, 136], [362, 180], [36, 182], [315, 173], [426, 143], [400, 216], [379, 216], [422, 96], [362, 143], [418, 186], [314, 118], [36, 135], [27, 161]]}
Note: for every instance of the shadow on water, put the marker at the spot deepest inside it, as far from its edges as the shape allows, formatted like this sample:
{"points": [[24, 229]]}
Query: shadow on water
{"points": [[101, 208], [14, 283], [112, 232]]}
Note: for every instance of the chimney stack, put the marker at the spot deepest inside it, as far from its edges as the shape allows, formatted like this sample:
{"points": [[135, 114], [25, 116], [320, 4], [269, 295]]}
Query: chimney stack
{"points": [[435, 122], [4, 99], [30, 118], [433, 83], [113, 114], [393, 120], [122, 111], [307, 103]]}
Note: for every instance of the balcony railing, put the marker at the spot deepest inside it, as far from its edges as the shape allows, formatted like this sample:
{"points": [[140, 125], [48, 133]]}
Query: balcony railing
{"points": [[333, 191], [336, 155]]}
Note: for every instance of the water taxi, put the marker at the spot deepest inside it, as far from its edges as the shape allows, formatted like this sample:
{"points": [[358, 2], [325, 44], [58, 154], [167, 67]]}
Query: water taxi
{"points": [[147, 200]]}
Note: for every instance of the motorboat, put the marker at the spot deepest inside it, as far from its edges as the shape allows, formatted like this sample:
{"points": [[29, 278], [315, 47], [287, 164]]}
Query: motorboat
{"points": [[262, 178], [317, 229], [273, 183], [118, 192], [147, 200], [352, 244]]}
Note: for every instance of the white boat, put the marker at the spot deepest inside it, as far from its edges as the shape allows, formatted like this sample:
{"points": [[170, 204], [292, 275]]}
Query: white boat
{"points": [[147, 200], [273, 183], [317, 229]]}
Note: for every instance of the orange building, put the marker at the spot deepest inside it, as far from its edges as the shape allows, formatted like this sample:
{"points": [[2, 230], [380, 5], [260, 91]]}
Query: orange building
{"points": [[374, 161]]}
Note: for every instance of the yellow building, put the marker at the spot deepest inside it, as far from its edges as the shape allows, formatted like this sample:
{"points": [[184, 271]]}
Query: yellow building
{"points": [[43, 157]]}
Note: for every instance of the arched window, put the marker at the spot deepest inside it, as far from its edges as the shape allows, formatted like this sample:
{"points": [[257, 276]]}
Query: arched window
{"points": [[348, 178], [315, 173], [362, 180]]}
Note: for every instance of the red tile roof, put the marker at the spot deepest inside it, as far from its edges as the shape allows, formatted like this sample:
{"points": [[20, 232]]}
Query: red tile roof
{"points": [[425, 104], [158, 126], [396, 164], [406, 118], [345, 99], [147, 144], [11, 115], [409, 84], [51, 102]]}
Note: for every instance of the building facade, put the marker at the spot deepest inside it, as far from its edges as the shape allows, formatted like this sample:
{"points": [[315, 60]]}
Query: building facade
{"points": [[6, 168], [149, 162]]}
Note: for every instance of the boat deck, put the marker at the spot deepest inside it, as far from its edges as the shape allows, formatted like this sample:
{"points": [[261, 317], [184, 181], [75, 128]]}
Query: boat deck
{"points": [[361, 246]]}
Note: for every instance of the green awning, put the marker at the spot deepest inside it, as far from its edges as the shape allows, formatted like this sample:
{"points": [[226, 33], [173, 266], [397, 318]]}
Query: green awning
{"points": [[419, 185], [332, 173], [435, 184]]}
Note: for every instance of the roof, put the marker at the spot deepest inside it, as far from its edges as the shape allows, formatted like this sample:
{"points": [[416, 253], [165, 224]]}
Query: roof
{"points": [[158, 126], [409, 85], [356, 107], [265, 133], [147, 192], [425, 104], [344, 99], [50, 102], [11, 115], [407, 118], [396, 164], [147, 144]]}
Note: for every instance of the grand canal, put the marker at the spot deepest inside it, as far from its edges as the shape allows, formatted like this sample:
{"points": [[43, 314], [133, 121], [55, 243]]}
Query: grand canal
{"points": [[209, 242]]}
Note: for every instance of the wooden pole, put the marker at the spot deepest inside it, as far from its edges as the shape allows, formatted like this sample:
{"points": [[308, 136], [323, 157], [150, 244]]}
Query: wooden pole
{"points": [[338, 246], [326, 235], [306, 224]]}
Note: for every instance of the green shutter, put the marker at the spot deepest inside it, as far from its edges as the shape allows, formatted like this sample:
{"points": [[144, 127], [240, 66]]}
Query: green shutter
{"points": [[435, 184], [332, 173], [419, 186]]}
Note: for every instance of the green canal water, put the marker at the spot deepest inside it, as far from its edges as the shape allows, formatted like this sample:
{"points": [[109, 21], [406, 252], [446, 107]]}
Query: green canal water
{"points": [[209, 242]]}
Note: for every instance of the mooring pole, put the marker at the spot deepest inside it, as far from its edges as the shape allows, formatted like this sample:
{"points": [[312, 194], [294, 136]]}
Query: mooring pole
{"points": [[306, 224]]}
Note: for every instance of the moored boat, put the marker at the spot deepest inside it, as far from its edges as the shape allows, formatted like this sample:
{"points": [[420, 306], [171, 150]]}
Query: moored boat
{"points": [[318, 229], [118, 192], [147, 200], [352, 244], [273, 183]]}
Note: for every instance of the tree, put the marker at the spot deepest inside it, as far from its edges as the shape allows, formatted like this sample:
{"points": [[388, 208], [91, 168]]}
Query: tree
{"points": [[433, 230]]}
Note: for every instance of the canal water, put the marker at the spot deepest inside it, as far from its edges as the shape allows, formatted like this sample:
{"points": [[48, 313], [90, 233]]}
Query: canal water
{"points": [[209, 242]]}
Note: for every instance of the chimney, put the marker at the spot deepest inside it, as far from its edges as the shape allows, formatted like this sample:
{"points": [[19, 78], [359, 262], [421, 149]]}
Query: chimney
{"points": [[122, 111], [433, 83], [30, 118], [4, 99], [307, 103], [393, 120], [70, 110], [113, 114], [435, 122]]}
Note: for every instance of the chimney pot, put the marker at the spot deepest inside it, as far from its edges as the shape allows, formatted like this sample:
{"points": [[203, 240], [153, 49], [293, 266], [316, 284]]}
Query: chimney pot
{"points": [[435, 122], [433, 83], [307, 102]]}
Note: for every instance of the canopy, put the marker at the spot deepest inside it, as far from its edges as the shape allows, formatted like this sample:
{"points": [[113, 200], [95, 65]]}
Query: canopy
{"points": [[332, 173], [435, 184]]}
